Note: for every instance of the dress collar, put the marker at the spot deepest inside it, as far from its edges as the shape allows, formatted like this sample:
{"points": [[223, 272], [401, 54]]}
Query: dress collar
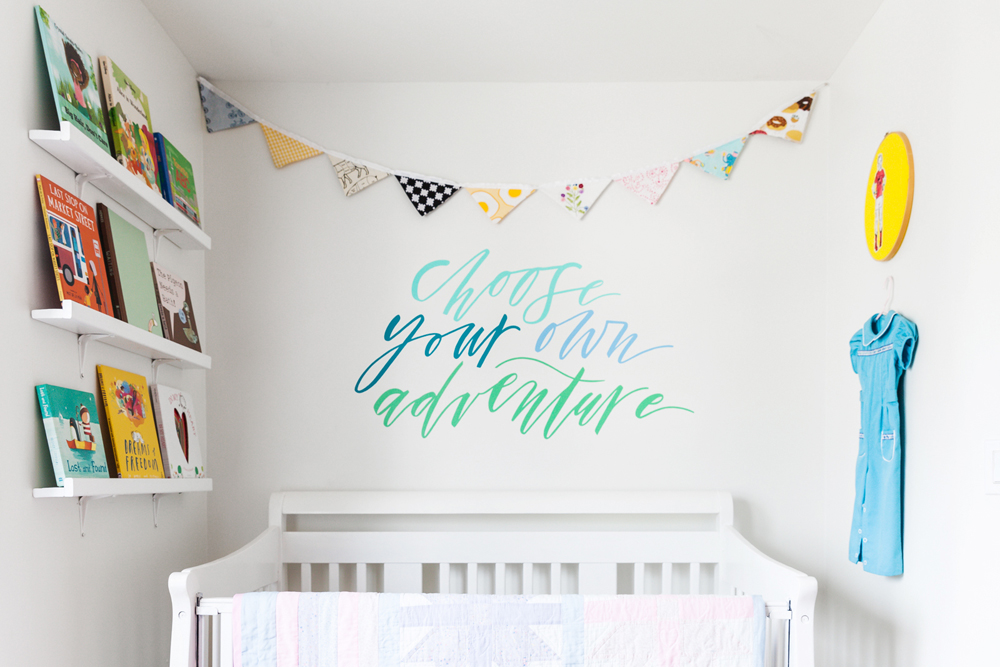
{"points": [[875, 327]]}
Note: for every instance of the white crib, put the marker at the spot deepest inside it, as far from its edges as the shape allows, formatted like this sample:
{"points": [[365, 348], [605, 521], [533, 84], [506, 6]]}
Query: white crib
{"points": [[493, 543]]}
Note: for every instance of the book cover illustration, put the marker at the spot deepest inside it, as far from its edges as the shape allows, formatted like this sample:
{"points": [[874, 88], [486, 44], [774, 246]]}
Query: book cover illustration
{"points": [[131, 427], [127, 259], [176, 312], [74, 86], [128, 120], [69, 418], [179, 445], [75, 247], [176, 178]]}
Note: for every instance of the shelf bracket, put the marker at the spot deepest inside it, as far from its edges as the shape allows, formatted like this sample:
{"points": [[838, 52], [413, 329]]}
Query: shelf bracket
{"points": [[156, 507], [82, 502], [83, 179], [155, 370], [82, 341], [159, 234]]}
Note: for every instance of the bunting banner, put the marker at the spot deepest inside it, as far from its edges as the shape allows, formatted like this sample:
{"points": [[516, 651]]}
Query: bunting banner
{"points": [[498, 202], [650, 184], [426, 193], [220, 114], [284, 149], [577, 197], [720, 161], [789, 123], [355, 177]]}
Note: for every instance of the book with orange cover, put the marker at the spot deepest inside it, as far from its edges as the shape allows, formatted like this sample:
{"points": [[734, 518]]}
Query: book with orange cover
{"points": [[129, 414], [75, 247]]}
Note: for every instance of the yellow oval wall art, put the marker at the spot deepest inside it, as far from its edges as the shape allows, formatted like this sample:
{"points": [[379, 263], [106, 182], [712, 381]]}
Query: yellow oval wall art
{"points": [[889, 196]]}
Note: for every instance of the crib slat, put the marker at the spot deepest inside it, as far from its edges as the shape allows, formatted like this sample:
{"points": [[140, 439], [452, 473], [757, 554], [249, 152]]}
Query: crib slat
{"points": [[216, 640], [527, 570], [695, 579], [226, 643], [499, 580], [638, 578], [202, 656], [334, 577], [362, 578], [305, 578], [472, 578], [402, 577], [555, 578], [444, 577]]}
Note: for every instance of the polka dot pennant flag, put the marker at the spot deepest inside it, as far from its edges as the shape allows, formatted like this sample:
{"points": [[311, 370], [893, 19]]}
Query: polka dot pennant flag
{"points": [[426, 195], [284, 149], [790, 122], [220, 114], [577, 197], [355, 177], [498, 202], [720, 161], [650, 184]]}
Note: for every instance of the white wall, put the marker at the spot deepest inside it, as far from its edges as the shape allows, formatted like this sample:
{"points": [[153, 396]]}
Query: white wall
{"points": [[100, 599], [304, 280], [925, 72]]}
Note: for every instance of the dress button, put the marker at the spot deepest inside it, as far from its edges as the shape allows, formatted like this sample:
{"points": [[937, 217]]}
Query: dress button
{"points": [[866, 562], [865, 540], [859, 531]]}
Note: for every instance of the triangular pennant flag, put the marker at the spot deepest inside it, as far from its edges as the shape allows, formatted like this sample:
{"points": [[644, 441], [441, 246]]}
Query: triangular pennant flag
{"points": [[650, 184], [355, 177], [284, 149], [498, 202], [719, 161], [790, 123], [220, 114], [577, 197], [426, 195]]}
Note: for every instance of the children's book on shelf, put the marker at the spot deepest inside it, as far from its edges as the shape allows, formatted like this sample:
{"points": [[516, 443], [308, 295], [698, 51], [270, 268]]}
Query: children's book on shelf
{"points": [[179, 446], [74, 85], [128, 123], [131, 283], [176, 178], [176, 312], [131, 426], [69, 418], [75, 247]]}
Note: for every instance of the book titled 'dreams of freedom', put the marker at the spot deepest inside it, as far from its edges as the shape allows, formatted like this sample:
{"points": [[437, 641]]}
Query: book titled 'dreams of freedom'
{"points": [[176, 312], [74, 86], [128, 123], [69, 418], [127, 259], [129, 413]]}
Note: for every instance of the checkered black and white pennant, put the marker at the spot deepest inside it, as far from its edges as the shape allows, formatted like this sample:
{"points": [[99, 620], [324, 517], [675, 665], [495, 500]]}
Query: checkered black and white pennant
{"points": [[426, 195]]}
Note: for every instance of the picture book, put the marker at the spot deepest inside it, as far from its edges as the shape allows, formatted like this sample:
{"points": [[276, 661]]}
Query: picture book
{"points": [[74, 86], [75, 247], [131, 426], [131, 283], [176, 178], [128, 123], [73, 433], [175, 424], [176, 312]]}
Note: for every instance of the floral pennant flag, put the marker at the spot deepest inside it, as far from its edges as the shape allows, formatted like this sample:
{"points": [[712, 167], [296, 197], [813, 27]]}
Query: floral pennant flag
{"points": [[791, 122], [579, 196], [284, 149], [650, 184], [719, 161], [221, 114], [426, 195], [498, 202], [355, 177]]}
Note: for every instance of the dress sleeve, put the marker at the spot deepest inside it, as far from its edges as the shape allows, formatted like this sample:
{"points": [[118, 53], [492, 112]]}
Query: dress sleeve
{"points": [[906, 342], [855, 346]]}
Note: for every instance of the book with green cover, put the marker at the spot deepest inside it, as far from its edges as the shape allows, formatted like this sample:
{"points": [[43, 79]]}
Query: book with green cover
{"points": [[74, 86], [176, 178], [127, 260], [128, 121], [71, 429]]}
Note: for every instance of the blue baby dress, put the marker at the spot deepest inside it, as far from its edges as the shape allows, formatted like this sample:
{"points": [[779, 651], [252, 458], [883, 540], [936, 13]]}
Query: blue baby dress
{"points": [[880, 352]]}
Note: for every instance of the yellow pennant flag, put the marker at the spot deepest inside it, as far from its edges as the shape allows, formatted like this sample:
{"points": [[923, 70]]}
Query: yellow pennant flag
{"points": [[284, 149]]}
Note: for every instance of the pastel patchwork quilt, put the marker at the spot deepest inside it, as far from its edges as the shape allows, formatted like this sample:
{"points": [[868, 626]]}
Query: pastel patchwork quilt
{"points": [[390, 630]]}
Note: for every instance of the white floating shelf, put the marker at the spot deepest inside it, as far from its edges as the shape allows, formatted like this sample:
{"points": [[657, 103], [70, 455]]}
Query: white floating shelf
{"points": [[81, 320], [78, 152], [87, 487]]}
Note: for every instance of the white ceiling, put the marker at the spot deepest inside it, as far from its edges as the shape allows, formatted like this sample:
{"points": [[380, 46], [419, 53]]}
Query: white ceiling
{"points": [[514, 40]]}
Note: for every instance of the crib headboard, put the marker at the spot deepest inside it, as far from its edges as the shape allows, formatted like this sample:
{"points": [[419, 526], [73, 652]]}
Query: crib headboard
{"points": [[505, 542]]}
